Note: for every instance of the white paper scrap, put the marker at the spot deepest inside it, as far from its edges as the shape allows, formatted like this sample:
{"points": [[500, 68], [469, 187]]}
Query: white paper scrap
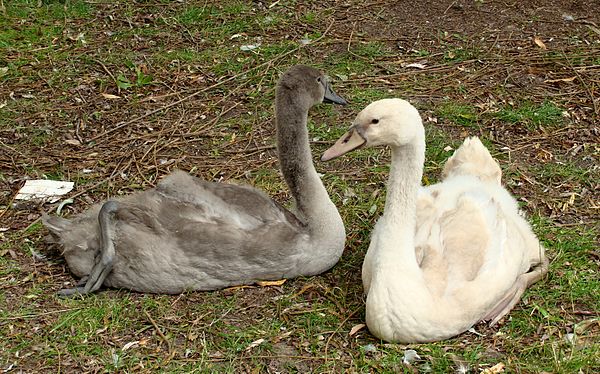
{"points": [[43, 188]]}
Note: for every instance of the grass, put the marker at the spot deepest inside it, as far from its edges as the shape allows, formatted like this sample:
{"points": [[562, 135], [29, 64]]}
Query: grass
{"points": [[464, 115], [160, 53], [533, 116]]}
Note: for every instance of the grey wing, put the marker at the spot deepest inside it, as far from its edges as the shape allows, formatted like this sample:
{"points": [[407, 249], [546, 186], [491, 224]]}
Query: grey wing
{"points": [[230, 231], [241, 206]]}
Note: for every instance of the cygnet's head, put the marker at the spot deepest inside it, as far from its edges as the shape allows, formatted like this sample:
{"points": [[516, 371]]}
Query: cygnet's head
{"points": [[393, 122], [307, 86]]}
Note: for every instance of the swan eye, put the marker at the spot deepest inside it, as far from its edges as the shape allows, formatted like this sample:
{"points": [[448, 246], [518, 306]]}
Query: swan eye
{"points": [[319, 79], [374, 121]]}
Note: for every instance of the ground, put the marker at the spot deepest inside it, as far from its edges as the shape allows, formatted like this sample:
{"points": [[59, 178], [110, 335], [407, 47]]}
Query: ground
{"points": [[114, 96]]}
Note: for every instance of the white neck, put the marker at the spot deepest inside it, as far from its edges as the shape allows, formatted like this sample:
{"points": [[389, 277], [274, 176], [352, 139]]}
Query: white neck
{"points": [[400, 213]]}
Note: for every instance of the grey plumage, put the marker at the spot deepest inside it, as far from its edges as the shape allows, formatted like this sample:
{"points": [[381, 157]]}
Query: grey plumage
{"points": [[190, 234]]}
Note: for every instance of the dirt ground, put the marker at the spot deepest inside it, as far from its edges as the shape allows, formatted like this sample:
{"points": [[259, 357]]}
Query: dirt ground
{"points": [[486, 55]]}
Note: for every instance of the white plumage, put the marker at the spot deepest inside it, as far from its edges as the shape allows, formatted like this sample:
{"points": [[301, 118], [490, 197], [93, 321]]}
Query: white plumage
{"points": [[445, 256]]}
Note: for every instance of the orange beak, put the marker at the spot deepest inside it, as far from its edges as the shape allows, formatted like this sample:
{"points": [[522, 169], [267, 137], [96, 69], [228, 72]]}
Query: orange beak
{"points": [[349, 141]]}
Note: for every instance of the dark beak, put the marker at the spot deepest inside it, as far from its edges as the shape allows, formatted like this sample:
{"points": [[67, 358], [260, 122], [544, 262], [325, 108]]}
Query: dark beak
{"points": [[331, 97]]}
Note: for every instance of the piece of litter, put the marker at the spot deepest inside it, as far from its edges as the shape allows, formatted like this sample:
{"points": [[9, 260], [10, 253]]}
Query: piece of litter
{"points": [[570, 338], [410, 355], [415, 65], [110, 96], [448, 148], [62, 205], [43, 189], [369, 348], [73, 142], [568, 17], [472, 330], [249, 47]]}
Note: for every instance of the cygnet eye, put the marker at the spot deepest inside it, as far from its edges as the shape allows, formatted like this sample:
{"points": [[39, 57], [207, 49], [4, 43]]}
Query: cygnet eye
{"points": [[374, 121]]}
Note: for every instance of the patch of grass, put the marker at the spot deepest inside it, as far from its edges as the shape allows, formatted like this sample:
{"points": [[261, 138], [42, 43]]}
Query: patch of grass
{"points": [[564, 172], [461, 114], [439, 148], [461, 54], [37, 26], [556, 350], [361, 98], [532, 116], [370, 49]]}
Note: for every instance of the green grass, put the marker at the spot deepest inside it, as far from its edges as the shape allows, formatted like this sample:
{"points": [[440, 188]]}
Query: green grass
{"points": [[460, 114], [533, 116]]}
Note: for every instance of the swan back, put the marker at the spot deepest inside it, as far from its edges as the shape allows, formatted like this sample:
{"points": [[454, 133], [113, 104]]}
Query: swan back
{"points": [[473, 158]]}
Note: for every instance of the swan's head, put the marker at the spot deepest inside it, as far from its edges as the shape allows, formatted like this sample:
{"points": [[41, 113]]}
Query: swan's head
{"points": [[393, 122], [308, 86]]}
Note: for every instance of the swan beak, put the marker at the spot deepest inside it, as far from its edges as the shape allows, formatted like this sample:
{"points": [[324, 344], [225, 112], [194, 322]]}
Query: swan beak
{"points": [[331, 97], [349, 141]]}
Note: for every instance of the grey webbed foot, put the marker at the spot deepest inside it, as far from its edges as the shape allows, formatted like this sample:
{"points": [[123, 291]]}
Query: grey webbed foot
{"points": [[77, 290]]}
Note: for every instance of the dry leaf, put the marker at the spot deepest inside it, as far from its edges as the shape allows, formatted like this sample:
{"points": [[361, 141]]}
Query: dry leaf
{"points": [[539, 43], [356, 328], [255, 343], [570, 79], [73, 142], [498, 368], [271, 283], [129, 345], [110, 96]]}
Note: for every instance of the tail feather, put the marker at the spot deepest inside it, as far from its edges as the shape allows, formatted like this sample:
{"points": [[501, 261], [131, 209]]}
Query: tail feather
{"points": [[56, 225], [473, 158]]}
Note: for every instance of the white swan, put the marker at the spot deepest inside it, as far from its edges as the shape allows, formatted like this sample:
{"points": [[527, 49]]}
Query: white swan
{"points": [[445, 256], [189, 234]]}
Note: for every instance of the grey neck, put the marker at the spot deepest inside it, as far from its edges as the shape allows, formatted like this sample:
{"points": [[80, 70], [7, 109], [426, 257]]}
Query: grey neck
{"points": [[314, 207]]}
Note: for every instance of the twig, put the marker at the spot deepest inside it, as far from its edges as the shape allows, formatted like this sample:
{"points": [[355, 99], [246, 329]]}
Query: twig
{"points": [[109, 73], [162, 336], [23, 316], [450, 6], [250, 150], [339, 328]]}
